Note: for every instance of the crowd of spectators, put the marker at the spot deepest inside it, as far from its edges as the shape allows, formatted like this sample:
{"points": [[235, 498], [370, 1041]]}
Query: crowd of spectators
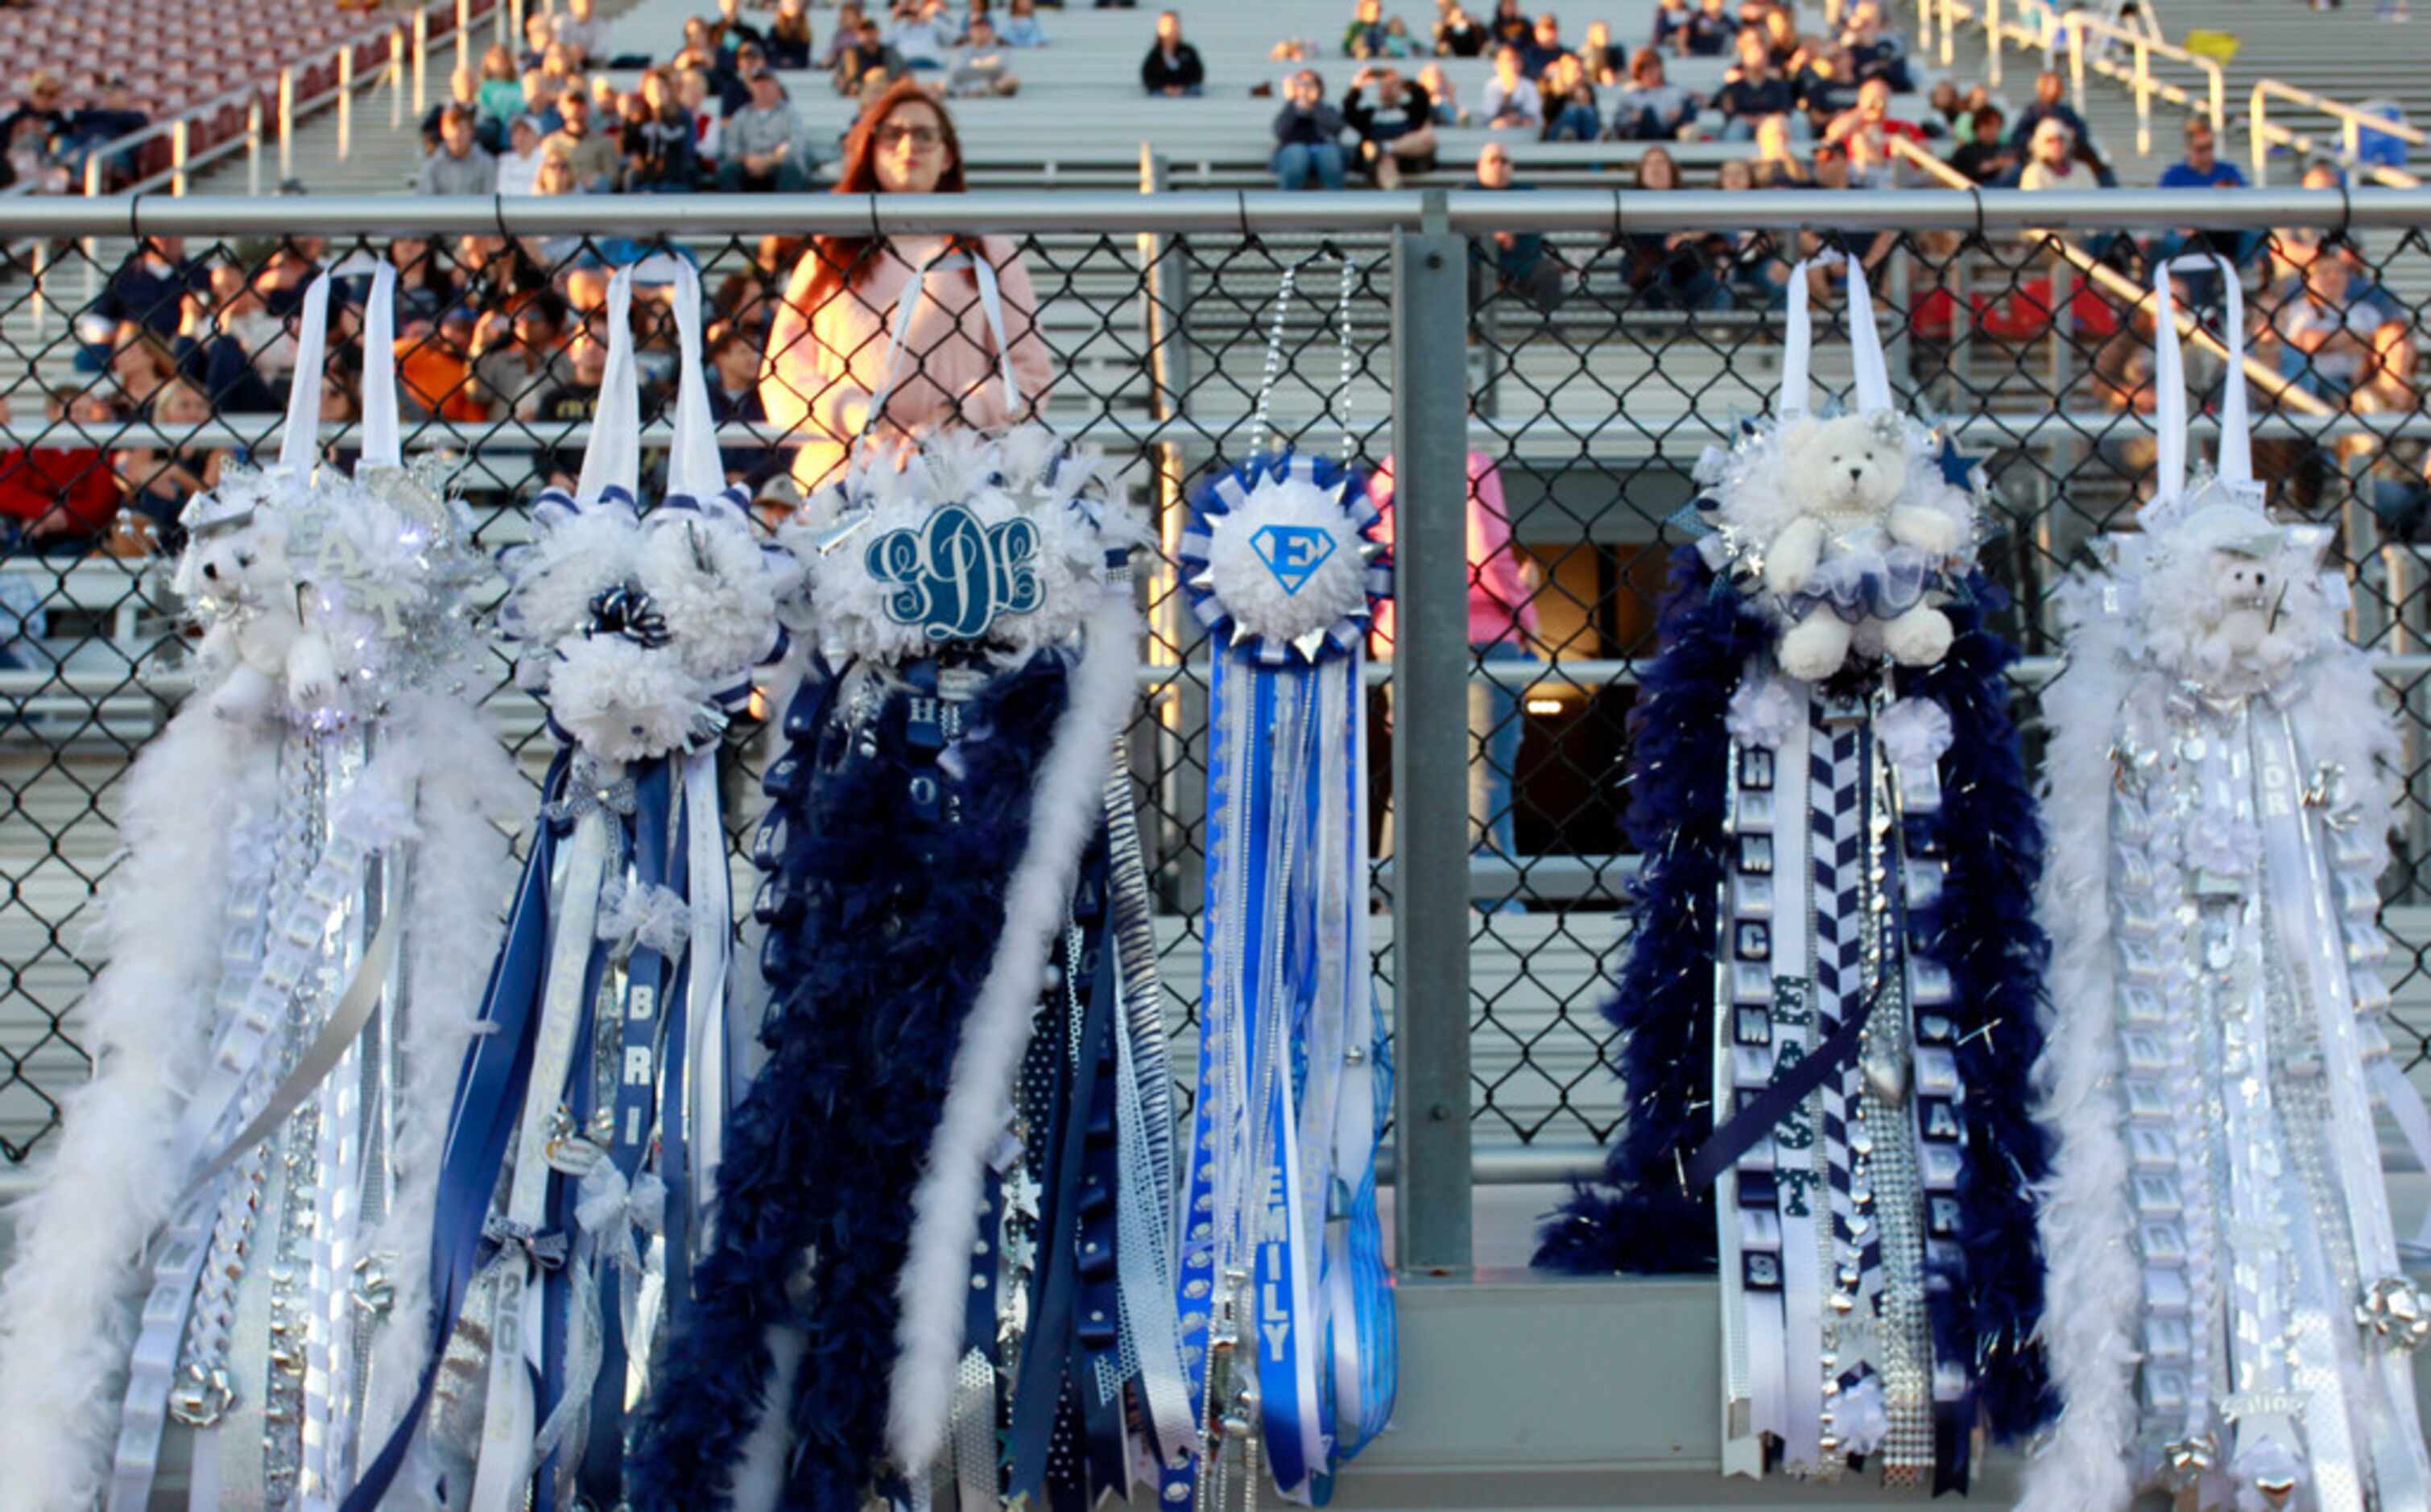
{"points": [[50, 133]]}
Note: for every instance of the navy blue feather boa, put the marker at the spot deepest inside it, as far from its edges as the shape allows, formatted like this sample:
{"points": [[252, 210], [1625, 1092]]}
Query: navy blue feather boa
{"points": [[875, 963], [1680, 755], [1641, 1218]]}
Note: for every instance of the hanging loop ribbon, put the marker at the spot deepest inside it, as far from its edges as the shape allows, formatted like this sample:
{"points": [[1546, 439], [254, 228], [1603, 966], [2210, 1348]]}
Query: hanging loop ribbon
{"points": [[1873, 384], [613, 457], [907, 312]]}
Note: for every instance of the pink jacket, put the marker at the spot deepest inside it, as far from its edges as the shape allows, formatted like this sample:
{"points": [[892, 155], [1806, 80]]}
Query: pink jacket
{"points": [[1500, 594], [824, 367]]}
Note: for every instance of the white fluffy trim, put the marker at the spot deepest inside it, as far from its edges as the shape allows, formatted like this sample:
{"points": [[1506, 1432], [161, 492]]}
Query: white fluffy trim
{"points": [[67, 1305], [2089, 1329], [461, 870], [1065, 808], [620, 701]]}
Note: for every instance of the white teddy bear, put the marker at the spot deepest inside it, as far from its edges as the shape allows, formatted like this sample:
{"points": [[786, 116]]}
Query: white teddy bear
{"points": [[258, 630], [1829, 564]]}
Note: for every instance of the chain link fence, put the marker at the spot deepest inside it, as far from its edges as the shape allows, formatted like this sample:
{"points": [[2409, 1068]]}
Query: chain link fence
{"points": [[1600, 353]]}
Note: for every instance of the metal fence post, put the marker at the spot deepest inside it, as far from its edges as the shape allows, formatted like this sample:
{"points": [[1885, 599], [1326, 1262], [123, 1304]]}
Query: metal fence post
{"points": [[1182, 708], [1431, 915]]}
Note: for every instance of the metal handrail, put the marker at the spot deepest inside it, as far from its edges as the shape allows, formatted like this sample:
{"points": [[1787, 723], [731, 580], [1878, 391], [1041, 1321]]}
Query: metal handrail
{"points": [[2261, 134], [180, 127], [2077, 22]]}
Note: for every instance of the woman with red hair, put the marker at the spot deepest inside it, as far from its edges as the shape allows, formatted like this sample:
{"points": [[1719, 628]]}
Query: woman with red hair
{"points": [[827, 349]]}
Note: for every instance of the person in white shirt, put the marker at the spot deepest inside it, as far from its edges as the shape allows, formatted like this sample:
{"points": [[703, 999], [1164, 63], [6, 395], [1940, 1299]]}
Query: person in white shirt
{"points": [[1511, 103], [519, 165], [922, 36], [583, 34]]}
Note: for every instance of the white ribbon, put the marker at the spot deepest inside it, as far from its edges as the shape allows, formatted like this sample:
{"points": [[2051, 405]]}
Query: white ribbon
{"points": [[2171, 409], [382, 445], [907, 311], [614, 456], [1874, 388], [693, 469], [502, 1478], [707, 1078]]}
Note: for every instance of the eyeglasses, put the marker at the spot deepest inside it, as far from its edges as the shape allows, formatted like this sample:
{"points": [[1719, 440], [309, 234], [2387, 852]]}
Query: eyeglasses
{"points": [[926, 138]]}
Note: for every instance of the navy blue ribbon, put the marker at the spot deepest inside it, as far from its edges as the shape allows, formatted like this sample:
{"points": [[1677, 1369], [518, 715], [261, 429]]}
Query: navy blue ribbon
{"points": [[489, 1097]]}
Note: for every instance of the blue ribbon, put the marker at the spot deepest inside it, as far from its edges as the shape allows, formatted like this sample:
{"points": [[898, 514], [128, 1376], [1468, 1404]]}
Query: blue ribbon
{"points": [[489, 1095]]}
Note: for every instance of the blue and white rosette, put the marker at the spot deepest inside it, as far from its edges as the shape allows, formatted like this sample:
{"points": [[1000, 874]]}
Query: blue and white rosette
{"points": [[1281, 1260]]}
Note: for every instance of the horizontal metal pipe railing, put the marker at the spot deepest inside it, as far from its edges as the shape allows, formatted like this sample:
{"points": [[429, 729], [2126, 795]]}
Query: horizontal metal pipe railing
{"points": [[1267, 213]]}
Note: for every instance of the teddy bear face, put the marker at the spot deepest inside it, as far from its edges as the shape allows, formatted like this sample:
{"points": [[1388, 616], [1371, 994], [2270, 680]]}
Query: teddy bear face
{"points": [[2234, 600], [1851, 467]]}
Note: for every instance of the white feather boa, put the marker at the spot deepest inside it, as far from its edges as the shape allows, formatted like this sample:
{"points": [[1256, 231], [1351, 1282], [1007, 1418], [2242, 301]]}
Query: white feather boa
{"points": [[2089, 1334], [1064, 809], [463, 870], [67, 1305]]}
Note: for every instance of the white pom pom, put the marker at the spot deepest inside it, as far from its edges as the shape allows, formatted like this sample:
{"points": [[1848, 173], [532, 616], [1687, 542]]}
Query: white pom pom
{"points": [[623, 702]]}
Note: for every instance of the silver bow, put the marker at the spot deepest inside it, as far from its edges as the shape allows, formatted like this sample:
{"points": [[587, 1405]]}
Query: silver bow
{"points": [[588, 788], [2393, 1307], [2188, 1460], [645, 913], [546, 1251]]}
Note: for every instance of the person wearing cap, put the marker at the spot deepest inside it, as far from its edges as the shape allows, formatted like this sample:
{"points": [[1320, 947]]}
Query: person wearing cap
{"points": [[762, 142], [460, 166], [519, 165], [2050, 158], [588, 153]]}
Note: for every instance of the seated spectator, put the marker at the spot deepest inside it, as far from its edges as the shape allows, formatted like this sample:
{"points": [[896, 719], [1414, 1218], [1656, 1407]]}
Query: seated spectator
{"points": [[1708, 31], [582, 34], [699, 50], [519, 165], [425, 286], [460, 166], [921, 35], [1397, 130], [156, 484], [539, 29], [574, 397], [1669, 270], [1603, 62], [1670, 19], [587, 153], [1308, 136], [980, 68], [148, 290], [1651, 109], [1985, 158], [434, 368], [1752, 92], [1947, 109], [1511, 26], [1777, 163], [31, 135], [1172, 67], [1871, 247], [734, 398], [658, 158], [1781, 40], [60, 498], [763, 144], [1458, 34], [515, 357], [2201, 167], [847, 32], [729, 31], [1518, 261], [1365, 36], [499, 98], [1878, 53], [1543, 48], [90, 129], [1823, 85], [1021, 29], [1511, 102], [1866, 131], [540, 103], [2049, 87], [1571, 113], [865, 61], [730, 76], [2341, 338], [1443, 100], [2050, 158], [746, 297], [789, 36], [463, 91], [1398, 40]]}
